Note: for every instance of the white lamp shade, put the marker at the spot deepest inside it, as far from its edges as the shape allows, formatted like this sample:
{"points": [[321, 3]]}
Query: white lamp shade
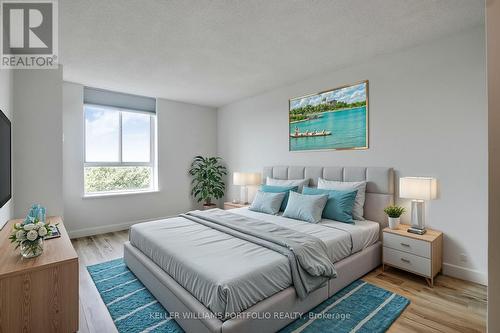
{"points": [[246, 178], [419, 188]]}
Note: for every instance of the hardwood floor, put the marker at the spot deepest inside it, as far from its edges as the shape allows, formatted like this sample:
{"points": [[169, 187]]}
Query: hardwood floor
{"points": [[451, 306], [94, 316]]}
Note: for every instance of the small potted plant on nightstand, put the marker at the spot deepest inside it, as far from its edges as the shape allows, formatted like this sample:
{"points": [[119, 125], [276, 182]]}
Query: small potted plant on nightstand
{"points": [[394, 214], [208, 182]]}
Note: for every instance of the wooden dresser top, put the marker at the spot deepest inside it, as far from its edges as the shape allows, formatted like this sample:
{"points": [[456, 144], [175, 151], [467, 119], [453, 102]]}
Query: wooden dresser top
{"points": [[55, 250], [429, 236]]}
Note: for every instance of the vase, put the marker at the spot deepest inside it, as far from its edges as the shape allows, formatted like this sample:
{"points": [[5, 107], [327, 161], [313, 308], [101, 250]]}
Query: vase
{"points": [[393, 222], [31, 249]]}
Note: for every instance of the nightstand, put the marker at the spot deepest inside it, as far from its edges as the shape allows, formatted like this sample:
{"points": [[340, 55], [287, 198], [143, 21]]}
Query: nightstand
{"points": [[232, 205], [418, 254]]}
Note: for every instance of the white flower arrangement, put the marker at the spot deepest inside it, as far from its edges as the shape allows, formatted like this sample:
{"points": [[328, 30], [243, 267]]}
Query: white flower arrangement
{"points": [[29, 233]]}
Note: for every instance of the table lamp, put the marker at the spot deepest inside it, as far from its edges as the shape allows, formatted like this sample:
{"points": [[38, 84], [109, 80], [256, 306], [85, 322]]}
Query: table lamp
{"points": [[418, 189], [244, 179]]}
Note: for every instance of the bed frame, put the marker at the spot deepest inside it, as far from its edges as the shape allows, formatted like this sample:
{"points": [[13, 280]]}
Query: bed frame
{"points": [[180, 303]]}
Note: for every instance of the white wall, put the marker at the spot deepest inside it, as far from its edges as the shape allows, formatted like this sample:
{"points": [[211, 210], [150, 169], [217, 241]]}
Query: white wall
{"points": [[37, 140], [493, 42], [184, 130], [428, 117], [6, 105]]}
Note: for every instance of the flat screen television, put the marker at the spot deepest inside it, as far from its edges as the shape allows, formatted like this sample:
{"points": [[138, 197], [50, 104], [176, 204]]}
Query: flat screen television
{"points": [[5, 160]]}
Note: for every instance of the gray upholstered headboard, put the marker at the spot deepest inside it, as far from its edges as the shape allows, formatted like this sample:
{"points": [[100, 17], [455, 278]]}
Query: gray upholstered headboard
{"points": [[379, 187]]}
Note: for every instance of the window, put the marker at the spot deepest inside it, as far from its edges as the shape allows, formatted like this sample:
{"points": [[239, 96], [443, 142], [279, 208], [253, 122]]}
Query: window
{"points": [[119, 150]]}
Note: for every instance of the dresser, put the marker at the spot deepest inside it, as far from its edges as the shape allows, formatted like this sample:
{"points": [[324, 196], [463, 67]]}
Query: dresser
{"points": [[418, 254], [39, 294]]}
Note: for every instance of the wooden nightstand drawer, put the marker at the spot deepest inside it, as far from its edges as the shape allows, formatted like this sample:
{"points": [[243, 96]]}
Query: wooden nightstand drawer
{"points": [[414, 246], [407, 261], [420, 254]]}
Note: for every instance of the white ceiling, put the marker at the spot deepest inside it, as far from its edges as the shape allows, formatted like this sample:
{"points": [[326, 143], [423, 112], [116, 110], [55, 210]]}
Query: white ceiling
{"points": [[214, 52]]}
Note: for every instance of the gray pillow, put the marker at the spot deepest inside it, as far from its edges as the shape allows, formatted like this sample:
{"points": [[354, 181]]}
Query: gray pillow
{"points": [[305, 207], [288, 182], [266, 202], [358, 210]]}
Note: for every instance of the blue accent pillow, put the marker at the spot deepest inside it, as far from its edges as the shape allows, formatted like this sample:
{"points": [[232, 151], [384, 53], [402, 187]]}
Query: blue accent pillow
{"points": [[339, 205], [266, 202], [305, 207], [279, 189]]}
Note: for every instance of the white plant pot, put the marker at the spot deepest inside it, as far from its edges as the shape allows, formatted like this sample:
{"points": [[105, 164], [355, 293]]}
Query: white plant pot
{"points": [[393, 222]]}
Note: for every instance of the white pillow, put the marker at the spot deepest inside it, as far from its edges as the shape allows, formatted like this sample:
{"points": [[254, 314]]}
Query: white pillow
{"points": [[305, 207], [358, 210], [265, 202], [288, 182]]}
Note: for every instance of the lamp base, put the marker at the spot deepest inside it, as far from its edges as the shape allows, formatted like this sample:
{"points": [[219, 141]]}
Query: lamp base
{"points": [[417, 217], [417, 231], [244, 195]]}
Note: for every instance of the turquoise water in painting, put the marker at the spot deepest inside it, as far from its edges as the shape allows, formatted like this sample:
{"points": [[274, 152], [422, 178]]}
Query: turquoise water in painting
{"points": [[348, 129]]}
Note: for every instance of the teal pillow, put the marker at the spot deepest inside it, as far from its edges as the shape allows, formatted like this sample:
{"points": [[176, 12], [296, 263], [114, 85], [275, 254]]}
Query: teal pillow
{"points": [[305, 207], [339, 205], [266, 202], [279, 189]]}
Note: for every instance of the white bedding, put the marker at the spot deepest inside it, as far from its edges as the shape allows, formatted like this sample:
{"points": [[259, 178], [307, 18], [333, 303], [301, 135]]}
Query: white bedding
{"points": [[342, 239], [228, 274]]}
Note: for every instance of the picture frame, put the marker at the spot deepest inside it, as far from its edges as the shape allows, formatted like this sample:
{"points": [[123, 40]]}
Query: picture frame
{"points": [[334, 119]]}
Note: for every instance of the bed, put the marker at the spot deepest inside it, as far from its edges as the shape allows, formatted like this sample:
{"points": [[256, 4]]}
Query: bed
{"points": [[214, 282]]}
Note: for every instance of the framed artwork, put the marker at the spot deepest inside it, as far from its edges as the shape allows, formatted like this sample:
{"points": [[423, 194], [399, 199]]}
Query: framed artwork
{"points": [[335, 119]]}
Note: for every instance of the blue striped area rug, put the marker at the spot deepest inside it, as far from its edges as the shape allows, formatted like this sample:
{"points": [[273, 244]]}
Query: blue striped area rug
{"points": [[360, 307]]}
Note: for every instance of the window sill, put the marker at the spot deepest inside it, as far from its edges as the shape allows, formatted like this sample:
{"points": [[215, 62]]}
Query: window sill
{"points": [[117, 194]]}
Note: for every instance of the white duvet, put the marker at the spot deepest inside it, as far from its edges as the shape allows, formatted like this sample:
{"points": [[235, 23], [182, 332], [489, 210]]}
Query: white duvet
{"points": [[228, 274], [342, 239]]}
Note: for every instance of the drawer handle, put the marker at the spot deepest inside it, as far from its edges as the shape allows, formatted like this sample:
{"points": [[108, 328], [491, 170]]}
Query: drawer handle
{"points": [[405, 260], [404, 244]]}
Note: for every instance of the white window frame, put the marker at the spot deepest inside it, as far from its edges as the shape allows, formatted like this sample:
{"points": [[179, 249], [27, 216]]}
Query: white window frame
{"points": [[152, 155]]}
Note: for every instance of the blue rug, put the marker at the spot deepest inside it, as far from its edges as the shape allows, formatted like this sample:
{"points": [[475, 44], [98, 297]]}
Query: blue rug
{"points": [[359, 307]]}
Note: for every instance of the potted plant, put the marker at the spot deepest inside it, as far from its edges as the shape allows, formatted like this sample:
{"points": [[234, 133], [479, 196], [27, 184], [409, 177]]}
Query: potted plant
{"points": [[394, 213], [207, 183]]}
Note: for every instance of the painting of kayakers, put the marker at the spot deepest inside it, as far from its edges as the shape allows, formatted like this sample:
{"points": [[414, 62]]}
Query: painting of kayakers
{"points": [[334, 119]]}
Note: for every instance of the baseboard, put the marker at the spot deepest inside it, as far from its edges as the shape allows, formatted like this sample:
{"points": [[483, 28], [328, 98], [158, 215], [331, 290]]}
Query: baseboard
{"points": [[464, 273], [108, 228]]}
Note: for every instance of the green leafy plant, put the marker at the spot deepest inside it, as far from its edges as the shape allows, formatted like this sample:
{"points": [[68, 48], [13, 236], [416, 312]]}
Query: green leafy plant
{"points": [[208, 182], [394, 211]]}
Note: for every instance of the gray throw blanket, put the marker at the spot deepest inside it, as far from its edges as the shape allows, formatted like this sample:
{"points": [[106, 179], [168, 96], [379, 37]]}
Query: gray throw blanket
{"points": [[309, 261]]}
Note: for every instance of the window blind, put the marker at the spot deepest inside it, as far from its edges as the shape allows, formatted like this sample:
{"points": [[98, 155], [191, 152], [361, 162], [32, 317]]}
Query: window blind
{"points": [[119, 100]]}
